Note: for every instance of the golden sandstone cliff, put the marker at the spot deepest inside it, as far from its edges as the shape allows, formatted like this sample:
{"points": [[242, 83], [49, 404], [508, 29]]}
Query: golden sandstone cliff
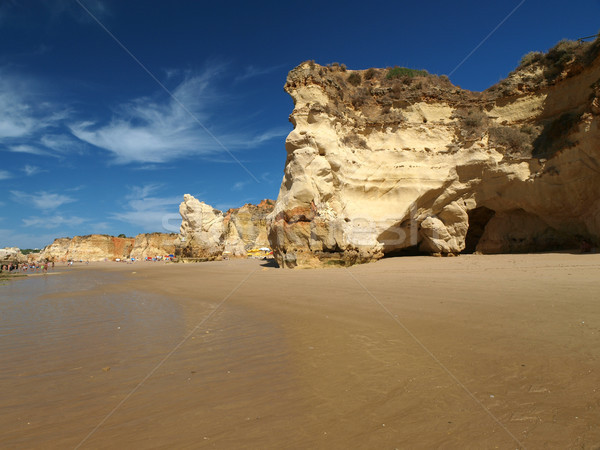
{"points": [[390, 161], [94, 247], [208, 233], [150, 245]]}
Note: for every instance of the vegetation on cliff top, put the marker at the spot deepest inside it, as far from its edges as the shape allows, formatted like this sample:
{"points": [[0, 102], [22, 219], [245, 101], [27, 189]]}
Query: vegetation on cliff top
{"points": [[377, 98], [538, 69]]}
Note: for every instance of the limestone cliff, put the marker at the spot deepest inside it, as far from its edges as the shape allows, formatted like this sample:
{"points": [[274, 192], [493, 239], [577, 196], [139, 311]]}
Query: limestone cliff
{"points": [[94, 247], [386, 161], [207, 233], [154, 244]]}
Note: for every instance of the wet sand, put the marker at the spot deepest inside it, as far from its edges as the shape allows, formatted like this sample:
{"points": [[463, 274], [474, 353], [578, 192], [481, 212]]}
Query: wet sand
{"points": [[468, 352]]}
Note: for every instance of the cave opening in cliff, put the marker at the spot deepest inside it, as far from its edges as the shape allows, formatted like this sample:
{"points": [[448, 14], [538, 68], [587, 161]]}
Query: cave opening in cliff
{"points": [[478, 219]]}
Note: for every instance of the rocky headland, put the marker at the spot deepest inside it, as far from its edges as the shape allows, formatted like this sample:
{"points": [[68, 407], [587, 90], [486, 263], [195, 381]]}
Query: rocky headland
{"points": [[396, 161]]}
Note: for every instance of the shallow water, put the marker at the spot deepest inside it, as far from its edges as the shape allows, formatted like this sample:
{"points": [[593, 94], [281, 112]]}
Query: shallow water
{"points": [[66, 341]]}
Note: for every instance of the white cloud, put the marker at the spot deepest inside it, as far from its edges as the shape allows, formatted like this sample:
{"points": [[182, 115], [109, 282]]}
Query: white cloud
{"points": [[23, 111], [43, 200], [5, 175], [53, 221], [25, 114], [21, 148], [31, 170], [61, 143], [15, 116], [149, 131], [149, 212]]}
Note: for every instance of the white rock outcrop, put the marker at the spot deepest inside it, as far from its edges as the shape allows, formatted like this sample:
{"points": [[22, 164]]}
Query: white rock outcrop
{"points": [[201, 230]]}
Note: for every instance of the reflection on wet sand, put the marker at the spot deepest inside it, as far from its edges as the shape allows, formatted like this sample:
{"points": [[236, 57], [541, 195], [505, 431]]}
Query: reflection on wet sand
{"points": [[115, 355]]}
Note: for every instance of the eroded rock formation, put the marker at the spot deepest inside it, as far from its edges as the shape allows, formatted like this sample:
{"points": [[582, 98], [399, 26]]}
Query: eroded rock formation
{"points": [[94, 247], [207, 233], [386, 161]]}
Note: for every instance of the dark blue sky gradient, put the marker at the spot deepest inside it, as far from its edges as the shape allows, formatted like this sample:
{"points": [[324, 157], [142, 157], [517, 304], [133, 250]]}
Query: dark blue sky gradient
{"points": [[90, 143]]}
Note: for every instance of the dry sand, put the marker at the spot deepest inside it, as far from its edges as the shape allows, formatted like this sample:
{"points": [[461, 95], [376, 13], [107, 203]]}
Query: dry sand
{"points": [[469, 352]]}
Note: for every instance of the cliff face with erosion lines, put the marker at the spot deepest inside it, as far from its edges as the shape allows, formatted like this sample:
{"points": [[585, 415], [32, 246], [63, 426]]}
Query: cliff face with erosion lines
{"points": [[94, 247], [208, 233], [394, 161], [154, 244]]}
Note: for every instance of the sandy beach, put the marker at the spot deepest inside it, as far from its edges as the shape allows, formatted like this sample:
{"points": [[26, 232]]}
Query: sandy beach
{"points": [[420, 352]]}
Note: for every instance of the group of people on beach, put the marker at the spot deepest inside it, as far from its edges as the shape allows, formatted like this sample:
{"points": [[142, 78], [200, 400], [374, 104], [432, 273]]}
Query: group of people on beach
{"points": [[24, 267]]}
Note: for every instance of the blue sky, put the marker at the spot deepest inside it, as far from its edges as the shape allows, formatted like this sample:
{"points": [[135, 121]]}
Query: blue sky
{"points": [[91, 142]]}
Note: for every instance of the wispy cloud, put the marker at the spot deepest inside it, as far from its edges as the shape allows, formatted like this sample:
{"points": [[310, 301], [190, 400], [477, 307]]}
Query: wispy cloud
{"points": [[148, 130], [239, 185], [22, 148], [254, 71], [25, 114], [31, 170], [144, 209], [42, 200], [62, 143], [53, 221], [5, 175], [22, 110]]}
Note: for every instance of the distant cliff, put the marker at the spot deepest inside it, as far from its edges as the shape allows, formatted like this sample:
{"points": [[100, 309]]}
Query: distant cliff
{"points": [[389, 161], [94, 247], [150, 245], [208, 233]]}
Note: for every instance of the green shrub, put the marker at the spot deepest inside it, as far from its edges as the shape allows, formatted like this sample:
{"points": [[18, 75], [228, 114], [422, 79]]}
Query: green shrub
{"points": [[399, 72], [354, 78], [27, 251]]}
